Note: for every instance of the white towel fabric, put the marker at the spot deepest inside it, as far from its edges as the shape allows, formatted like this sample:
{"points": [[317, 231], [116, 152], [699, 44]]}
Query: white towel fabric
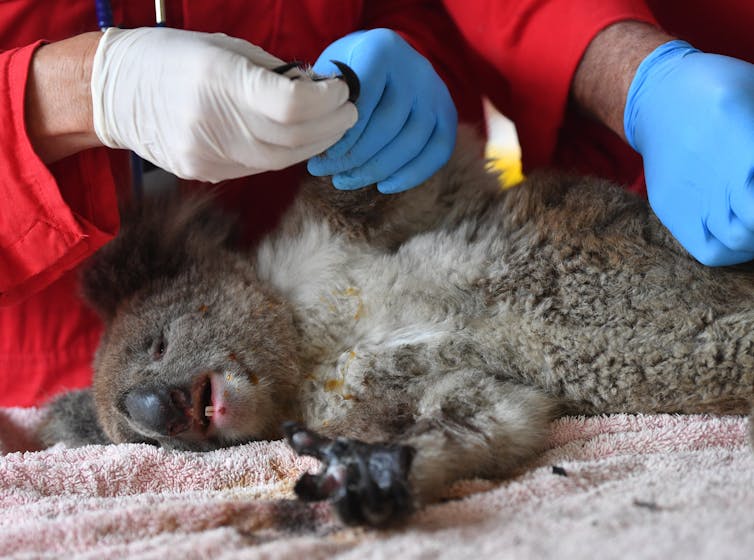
{"points": [[619, 486]]}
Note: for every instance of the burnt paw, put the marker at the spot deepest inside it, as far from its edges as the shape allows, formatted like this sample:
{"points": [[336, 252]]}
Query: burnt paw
{"points": [[366, 483]]}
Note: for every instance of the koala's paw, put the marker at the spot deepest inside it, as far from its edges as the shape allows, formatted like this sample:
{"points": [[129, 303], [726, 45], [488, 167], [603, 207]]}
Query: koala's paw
{"points": [[367, 484], [72, 420]]}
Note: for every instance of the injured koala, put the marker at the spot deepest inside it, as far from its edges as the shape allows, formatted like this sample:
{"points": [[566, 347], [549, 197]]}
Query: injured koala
{"points": [[406, 340]]}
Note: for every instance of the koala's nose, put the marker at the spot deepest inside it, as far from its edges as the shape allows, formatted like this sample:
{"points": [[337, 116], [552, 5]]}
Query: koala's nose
{"points": [[165, 411]]}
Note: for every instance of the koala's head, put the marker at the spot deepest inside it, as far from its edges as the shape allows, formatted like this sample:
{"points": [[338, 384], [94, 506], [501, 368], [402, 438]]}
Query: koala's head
{"points": [[196, 353]]}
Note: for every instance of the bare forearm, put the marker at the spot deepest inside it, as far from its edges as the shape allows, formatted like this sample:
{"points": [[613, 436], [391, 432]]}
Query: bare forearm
{"points": [[58, 110], [607, 69]]}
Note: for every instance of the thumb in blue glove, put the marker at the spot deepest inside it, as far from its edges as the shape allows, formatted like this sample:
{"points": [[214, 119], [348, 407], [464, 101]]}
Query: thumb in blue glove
{"points": [[691, 116], [407, 122]]}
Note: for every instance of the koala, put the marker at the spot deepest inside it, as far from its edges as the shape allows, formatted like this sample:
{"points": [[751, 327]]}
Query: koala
{"points": [[407, 340]]}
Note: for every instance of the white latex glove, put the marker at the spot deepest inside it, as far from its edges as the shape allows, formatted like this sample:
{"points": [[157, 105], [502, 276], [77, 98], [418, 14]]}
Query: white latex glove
{"points": [[207, 107]]}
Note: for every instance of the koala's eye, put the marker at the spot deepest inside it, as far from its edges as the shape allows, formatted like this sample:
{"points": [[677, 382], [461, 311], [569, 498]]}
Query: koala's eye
{"points": [[159, 347]]}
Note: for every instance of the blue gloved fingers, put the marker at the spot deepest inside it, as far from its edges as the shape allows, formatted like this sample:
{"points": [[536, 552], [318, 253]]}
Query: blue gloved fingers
{"points": [[730, 231], [702, 244], [730, 213], [419, 130], [683, 218], [742, 201], [406, 146], [691, 116], [386, 124], [335, 158], [711, 252], [435, 154], [398, 87], [373, 76]]}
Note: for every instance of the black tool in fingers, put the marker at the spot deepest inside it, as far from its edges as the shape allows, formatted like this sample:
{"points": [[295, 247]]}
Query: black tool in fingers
{"points": [[346, 74]]}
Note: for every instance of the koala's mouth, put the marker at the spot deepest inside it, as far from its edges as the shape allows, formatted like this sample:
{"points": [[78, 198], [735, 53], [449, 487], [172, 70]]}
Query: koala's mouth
{"points": [[201, 397]]}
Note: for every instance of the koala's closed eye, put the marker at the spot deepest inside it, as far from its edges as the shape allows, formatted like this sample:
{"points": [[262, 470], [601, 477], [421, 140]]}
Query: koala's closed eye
{"points": [[159, 346], [154, 345]]}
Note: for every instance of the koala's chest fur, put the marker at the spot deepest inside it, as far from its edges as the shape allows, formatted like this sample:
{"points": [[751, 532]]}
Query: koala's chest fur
{"points": [[379, 323]]}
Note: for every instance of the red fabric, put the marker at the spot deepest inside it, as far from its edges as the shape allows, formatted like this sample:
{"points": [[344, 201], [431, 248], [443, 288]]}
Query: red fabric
{"points": [[52, 218], [526, 53]]}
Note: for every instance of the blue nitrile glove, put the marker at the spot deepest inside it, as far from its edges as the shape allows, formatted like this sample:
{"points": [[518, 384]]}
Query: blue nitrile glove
{"points": [[407, 120], [691, 116]]}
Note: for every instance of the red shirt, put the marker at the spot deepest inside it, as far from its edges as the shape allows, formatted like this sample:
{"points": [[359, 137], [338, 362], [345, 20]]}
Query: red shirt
{"points": [[526, 52], [53, 217]]}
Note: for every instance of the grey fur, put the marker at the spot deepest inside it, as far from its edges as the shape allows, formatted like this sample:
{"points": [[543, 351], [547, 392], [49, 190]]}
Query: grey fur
{"points": [[72, 420], [454, 318]]}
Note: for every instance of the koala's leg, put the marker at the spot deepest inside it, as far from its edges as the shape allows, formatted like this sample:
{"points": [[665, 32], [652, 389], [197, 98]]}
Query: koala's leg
{"points": [[471, 425], [468, 424]]}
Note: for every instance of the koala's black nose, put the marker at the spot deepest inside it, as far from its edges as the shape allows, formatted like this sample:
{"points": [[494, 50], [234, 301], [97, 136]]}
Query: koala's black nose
{"points": [[165, 411]]}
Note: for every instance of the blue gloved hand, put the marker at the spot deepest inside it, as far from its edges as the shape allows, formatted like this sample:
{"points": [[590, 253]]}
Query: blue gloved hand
{"points": [[407, 120], [691, 116]]}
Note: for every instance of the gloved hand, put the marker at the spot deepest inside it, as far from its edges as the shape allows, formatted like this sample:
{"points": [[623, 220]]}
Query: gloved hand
{"points": [[407, 120], [691, 116], [207, 107]]}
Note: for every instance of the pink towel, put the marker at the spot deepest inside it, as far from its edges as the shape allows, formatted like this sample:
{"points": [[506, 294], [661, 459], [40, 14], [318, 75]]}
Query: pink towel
{"points": [[618, 486]]}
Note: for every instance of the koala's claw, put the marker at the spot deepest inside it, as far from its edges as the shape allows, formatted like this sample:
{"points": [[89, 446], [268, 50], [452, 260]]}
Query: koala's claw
{"points": [[352, 80], [366, 483]]}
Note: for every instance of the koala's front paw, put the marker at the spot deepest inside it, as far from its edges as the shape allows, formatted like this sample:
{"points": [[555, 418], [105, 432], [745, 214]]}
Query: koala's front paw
{"points": [[366, 483], [72, 420]]}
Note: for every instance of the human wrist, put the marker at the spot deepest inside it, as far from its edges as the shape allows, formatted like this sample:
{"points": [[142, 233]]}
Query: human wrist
{"points": [[607, 69], [655, 66], [58, 100]]}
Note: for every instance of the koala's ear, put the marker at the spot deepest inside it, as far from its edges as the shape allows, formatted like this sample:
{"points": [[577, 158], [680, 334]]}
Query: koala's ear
{"points": [[158, 237], [72, 420]]}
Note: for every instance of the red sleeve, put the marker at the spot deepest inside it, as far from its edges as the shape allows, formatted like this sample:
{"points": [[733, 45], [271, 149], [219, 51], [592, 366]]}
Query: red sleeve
{"points": [[51, 218], [429, 29], [526, 53]]}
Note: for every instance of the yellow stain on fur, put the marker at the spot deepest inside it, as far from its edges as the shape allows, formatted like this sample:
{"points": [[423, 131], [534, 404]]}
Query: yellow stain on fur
{"points": [[330, 306], [359, 310], [352, 291], [333, 385], [355, 292], [338, 384]]}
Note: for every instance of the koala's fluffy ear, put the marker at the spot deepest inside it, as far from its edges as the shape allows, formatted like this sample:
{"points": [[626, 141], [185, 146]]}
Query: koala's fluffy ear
{"points": [[72, 420], [158, 237]]}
